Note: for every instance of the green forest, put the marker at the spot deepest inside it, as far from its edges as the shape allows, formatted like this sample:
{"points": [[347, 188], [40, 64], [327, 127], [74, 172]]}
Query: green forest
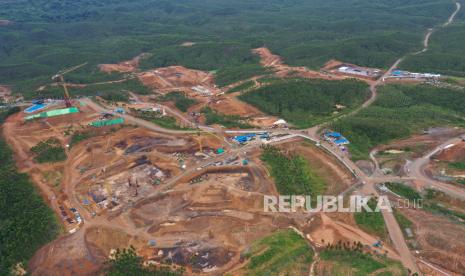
{"points": [[47, 36], [49, 151], [26, 222], [114, 92], [447, 52], [181, 101], [229, 121], [305, 103], [292, 173], [400, 111]]}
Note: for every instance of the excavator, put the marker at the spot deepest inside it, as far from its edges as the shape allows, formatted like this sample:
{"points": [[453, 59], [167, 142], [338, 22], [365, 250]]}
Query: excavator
{"points": [[59, 79]]}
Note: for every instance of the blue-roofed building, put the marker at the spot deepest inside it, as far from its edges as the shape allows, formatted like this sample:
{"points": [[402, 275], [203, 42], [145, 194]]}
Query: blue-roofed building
{"points": [[333, 135], [397, 73], [342, 141], [244, 138]]}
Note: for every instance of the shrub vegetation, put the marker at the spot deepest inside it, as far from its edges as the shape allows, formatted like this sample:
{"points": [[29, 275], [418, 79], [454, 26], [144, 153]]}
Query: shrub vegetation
{"points": [[49, 151], [292, 173], [400, 111]]}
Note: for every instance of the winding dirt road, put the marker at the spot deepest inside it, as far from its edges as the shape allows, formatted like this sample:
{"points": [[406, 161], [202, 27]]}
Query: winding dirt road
{"points": [[432, 30]]}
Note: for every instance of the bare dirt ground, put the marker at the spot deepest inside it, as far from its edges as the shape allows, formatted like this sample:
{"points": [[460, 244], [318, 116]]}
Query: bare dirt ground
{"points": [[128, 66], [333, 65], [440, 168], [5, 93], [394, 156], [214, 213], [443, 249], [77, 257], [217, 212], [268, 59], [452, 154], [275, 62], [177, 77], [233, 106], [326, 230], [136, 187]]}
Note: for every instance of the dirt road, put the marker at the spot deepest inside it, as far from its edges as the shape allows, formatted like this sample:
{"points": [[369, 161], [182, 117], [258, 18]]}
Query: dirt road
{"points": [[453, 15], [137, 121], [417, 171], [432, 30]]}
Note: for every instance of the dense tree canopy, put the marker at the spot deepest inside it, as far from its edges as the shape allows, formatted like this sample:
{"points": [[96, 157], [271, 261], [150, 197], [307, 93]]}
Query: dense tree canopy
{"points": [[307, 102], [26, 222], [47, 36]]}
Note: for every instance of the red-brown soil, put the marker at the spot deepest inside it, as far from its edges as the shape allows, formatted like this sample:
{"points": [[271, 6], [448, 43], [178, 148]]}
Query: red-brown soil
{"points": [[128, 66]]}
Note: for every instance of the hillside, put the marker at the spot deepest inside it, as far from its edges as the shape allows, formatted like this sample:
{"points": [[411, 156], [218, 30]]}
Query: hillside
{"points": [[46, 36]]}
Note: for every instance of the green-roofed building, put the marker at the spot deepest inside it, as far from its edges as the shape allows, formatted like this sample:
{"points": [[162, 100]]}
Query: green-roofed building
{"points": [[103, 123], [53, 113]]}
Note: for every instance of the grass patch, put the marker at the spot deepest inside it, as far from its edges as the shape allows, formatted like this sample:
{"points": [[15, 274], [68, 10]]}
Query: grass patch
{"points": [[282, 253], [403, 190], [457, 165], [439, 203], [180, 100], [49, 151], [229, 121], [80, 136], [292, 174], [158, 119], [371, 222], [438, 208], [230, 75], [403, 222], [400, 111], [242, 87], [305, 103], [343, 262], [53, 178]]}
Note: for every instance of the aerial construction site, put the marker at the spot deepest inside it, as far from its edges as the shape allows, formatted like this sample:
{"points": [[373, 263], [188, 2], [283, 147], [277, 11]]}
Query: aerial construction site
{"points": [[191, 195]]}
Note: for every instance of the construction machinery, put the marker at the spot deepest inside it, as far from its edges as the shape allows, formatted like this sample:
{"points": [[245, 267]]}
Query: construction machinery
{"points": [[59, 79]]}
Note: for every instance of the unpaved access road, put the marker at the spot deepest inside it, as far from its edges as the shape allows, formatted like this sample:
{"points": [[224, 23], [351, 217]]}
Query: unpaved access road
{"points": [[135, 120], [432, 30]]}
